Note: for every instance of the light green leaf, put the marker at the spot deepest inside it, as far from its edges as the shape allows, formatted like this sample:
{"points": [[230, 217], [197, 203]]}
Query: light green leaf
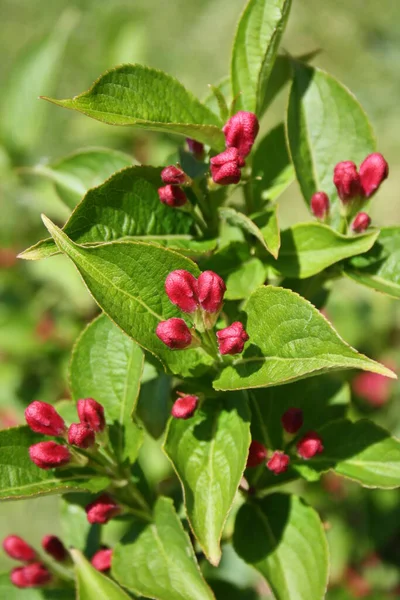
{"points": [[325, 125], [157, 560], [243, 280], [379, 268], [209, 453], [283, 538], [238, 219], [149, 99], [107, 365], [93, 585], [254, 51], [224, 87], [221, 102], [127, 281], [289, 340], [267, 222], [8, 591], [21, 478], [76, 530]]}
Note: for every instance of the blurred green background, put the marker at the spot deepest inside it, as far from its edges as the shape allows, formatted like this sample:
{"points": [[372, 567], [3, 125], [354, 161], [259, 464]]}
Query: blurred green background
{"points": [[59, 48]]}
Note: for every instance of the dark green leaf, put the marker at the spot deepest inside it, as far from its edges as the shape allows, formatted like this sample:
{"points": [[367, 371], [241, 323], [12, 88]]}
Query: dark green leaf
{"points": [[153, 407], [225, 590], [93, 585]]}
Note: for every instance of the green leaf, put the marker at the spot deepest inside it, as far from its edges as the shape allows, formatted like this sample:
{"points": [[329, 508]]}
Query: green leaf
{"points": [[283, 538], [244, 279], [325, 125], [379, 268], [21, 478], [107, 365], [125, 206], [209, 453], [361, 451], [8, 591], [76, 530], [238, 219], [157, 560], [153, 408], [149, 99], [289, 340], [309, 248], [267, 222], [93, 585], [254, 51], [225, 89], [127, 280], [221, 102]]}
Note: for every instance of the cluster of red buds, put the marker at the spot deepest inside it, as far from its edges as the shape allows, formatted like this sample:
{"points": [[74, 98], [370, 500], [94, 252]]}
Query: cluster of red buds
{"points": [[172, 193], [307, 446], [240, 133]]}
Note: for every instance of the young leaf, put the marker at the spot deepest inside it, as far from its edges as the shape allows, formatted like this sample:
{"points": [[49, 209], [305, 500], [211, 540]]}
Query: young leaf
{"points": [[21, 478], [225, 89], [8, 591], [149, 99], [107, 365], [254, 51], [267, 222], [289, 340], [325, 125], [238, 219], [283, 538], [93, 585], [209, 453], [127, 281], [157, 560]]}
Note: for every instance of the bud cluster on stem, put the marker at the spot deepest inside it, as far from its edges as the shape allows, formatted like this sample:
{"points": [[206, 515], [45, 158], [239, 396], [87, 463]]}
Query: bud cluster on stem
{"points": [[172, 194]]}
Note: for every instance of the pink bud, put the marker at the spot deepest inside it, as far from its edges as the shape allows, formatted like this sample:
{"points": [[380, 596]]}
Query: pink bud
{"points": [[172, 195], [361, 222], [174, 175], [49, 455], [278, 463], [309, 445], [211, 289], [18, 549], [240, 132], [196, 148], [102, 509], [373, 170], [292, 420], [257, 454], [231, 340], [181, 288], [225, 167], [81, 435], [43, 418], [184, 407], [30, 576], [373, 388], [320, 205], [91, 413], [174, 333], [102, 559], [347, 181], [54, 547]]}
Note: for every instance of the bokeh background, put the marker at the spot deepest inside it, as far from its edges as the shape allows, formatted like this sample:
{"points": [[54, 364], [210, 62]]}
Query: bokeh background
{"points": [[59, 48]]}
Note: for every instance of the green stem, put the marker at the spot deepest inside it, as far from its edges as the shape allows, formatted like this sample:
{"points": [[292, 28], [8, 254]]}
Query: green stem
{"points": [[343, 225]]}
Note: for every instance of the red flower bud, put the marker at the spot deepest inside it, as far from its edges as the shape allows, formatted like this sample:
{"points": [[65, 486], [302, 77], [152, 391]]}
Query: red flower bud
{"points": [[43, 418], [184, 407], [292, 420], [373, 388], [181, 288], [49, 455], [174, 333], [81, 435], [174, 175], [196, 148], [102, 559], [347, 181], [309, 445], [54, 547], [231, 340], [373, 170], [361, 222], [257, 454], [172, 195], [102, 509], [30, 576], [225, 167], [240, 132], [211, 289], [278, 463], [18, 549], [91, 413], [320, 205]]}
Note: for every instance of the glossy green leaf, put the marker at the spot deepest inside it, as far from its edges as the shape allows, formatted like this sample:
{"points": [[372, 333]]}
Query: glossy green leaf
{"points": [[125, 206], [127, 281], [283, 538], [149, 99], [325, 125], [92, 584], [209, 453], [21, 478], [107, 365], [238, 219], [8, 591], [379, 268], [157, 560], [254, 51], [289, 340]]}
